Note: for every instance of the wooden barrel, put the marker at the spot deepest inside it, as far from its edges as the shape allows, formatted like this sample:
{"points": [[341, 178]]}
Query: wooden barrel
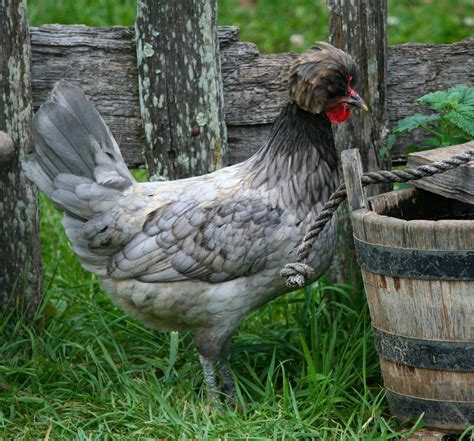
{"points": [[416, 250]]}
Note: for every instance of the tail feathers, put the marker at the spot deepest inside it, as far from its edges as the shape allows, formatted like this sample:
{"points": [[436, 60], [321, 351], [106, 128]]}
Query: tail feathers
{"points": [[77, 162], [72, 98], [60, 137]]}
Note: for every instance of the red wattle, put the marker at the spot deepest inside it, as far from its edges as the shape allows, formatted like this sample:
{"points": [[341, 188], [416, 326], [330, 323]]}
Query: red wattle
{"points": [[338, 114]]}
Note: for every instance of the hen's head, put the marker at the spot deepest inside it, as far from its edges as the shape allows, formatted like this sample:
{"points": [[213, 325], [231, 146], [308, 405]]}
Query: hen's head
{"points": [[322, 80]]}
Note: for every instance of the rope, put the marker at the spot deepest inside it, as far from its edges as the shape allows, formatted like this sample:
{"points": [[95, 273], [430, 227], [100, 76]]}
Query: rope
{"points": [[296, 274]]}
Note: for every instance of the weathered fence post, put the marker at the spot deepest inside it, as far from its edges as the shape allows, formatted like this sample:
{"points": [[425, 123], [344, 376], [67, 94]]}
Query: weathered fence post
{"points": [[181, 96], [360, 29], [20, 260]]}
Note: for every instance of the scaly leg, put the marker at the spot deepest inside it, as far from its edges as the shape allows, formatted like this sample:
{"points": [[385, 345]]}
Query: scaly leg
{"points": [[227, 381], [213, 346], [209, 377], [228, 386]]}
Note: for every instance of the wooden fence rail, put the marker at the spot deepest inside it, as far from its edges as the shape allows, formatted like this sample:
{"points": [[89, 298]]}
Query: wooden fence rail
{"points": [[103, 62]]}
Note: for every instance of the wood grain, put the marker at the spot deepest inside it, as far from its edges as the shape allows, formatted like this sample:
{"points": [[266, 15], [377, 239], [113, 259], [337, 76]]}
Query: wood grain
{"points": [[428, 383], [103, 62], [417, 69], [180, 87], [20, 260], [352, 169], [457, 183], [439, 310], [431, 309], [399, 219]]}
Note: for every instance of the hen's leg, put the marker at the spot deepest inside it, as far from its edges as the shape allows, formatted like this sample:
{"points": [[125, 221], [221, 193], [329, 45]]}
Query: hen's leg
{"points": [[208, 347], [213, 346], [209, 376], [226, 373], [227, 380]]}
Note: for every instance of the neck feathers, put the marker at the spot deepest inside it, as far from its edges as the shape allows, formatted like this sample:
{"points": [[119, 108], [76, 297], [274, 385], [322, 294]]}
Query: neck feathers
{"points": [[298, 162]]}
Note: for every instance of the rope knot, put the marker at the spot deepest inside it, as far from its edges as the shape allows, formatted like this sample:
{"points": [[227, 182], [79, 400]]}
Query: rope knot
{"points": [[296, 274]]}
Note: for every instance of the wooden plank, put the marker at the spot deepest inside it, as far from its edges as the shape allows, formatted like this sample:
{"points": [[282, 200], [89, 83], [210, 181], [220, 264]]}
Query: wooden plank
{"points": [[352, 169], [457, 183], [20, 259], [180, 86], [429, 309], [436, 314], [103, 62], [428, 383], [410, 209]]}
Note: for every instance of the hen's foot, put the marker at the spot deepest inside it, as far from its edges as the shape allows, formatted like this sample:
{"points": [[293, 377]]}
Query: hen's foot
{"points": [[216, 394], [228, 386]]}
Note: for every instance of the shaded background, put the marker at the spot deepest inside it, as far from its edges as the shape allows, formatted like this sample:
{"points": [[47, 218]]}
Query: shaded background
{"points": [[281, 25]]}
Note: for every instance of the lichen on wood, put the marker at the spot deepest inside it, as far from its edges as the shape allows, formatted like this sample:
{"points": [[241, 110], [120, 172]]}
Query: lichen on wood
{"points": [[20, 268], [180, 87]]}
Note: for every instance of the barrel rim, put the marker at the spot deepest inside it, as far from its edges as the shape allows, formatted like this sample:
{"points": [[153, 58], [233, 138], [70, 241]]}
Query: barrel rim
{"points": [[366, 219], [408, 192]]}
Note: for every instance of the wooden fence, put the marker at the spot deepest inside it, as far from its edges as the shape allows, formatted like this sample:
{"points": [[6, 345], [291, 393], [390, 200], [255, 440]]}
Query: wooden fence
{"points": [[131, 77], [254, 83]]}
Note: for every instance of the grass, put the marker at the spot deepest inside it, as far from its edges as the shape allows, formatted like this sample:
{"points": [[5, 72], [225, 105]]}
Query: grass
{"points": [[305, 367], [282, 25]]}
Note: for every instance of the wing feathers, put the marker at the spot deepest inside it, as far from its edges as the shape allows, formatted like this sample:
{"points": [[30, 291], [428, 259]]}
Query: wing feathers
{"points": [[185, 240]]}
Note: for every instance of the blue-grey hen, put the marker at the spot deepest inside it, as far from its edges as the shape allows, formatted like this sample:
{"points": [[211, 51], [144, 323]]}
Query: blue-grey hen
{"points": [[198, 253]]}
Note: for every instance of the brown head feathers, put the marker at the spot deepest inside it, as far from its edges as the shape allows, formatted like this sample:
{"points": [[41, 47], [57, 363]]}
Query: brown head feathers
{"points": [[320, 76]]}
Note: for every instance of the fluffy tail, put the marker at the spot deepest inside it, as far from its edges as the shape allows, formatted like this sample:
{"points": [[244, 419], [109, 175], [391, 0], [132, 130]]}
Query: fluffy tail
{"points": [[77, 163]]}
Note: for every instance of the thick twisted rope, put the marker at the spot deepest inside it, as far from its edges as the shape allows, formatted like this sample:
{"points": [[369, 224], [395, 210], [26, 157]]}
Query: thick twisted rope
{"points": [[296, 274]]}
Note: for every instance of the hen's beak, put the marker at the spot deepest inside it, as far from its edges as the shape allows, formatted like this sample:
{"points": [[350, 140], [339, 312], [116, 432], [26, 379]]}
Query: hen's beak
{"points": [[356, 101]]}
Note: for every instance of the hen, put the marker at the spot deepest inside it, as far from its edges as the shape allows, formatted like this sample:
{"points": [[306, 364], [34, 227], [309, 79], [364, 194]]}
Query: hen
{"points": [[198, 253]]}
